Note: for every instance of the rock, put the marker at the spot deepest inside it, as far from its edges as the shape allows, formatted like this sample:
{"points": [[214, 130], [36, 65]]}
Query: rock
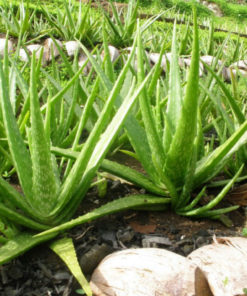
{"points": [[82, 59], [210, 60], [238, 68], [224, 265], [2, 46], [144, 272], [114, 53], [23, 55], [187, 62], [49, 47], [154, 57], [37, 48], [72, 47], [151, 241]]}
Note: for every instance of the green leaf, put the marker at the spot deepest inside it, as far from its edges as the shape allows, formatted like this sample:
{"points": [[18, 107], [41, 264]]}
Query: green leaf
{"points": [[181, 148], [84, 169], [175, 101], [129, 202], [65, 249], [20, 244], [209, 166], [44, 181], [235, 108], [19, 152]]}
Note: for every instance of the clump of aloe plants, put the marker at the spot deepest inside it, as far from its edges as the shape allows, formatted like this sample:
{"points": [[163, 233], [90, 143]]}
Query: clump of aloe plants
{"points": [[50, 195], [169, 140]]}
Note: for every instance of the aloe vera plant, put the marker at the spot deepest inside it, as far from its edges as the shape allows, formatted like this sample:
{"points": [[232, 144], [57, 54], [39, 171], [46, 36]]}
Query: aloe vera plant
{"points": [[47, 199]]}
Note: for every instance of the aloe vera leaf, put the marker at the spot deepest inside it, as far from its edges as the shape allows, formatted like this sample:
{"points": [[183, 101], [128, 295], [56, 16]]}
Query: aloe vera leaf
{"points": [[83, 120], [117, 169], [62, 92], [108, 62], [215, 201], [119, 25], [194, 201], [115, 206], [135, 131], [153, 82], [145, 105], [216, 214], [71, 23], [9, 194], [71, 182], [130, 20], [20, 244], [181, 148], [19, 153], [209, 166], [12, 91], [235, 108], [83, 94], [44, 181], [174, 104], [89, 160], [19, 219], [65, 249], [184, 41], [210, 49], [64, 128], [132, 176], [82, 21], [48, 16], [218, 105]]}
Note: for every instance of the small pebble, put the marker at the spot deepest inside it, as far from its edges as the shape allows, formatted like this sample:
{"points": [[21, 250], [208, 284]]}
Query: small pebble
{"points": [[61, 276]]}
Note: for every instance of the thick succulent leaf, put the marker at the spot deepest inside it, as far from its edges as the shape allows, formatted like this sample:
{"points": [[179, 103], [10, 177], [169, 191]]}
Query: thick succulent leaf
{"points": [[174, 104], [125, 203], [73, 179], [154, 140], [209, 166], [132, 176], [118, 170], [215, 201], [181, 148], [133, 128], [20, 219], [44, 180], [235, 108], [102, 145], [20, 244], [65, 249], [12, 196], [19, 152]]}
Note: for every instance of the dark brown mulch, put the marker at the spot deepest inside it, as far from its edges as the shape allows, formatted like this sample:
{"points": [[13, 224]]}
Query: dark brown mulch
{"points": [[39, 272]]}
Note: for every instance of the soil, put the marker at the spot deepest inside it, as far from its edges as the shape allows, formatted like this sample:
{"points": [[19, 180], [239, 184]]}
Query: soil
{"points": [[40, 272]]}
